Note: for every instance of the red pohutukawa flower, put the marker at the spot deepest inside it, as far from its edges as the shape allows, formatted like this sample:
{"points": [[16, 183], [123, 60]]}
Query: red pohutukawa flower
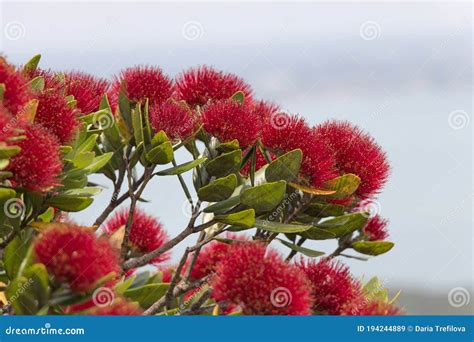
{"points": [[143, 82], [76, 256], [332, 285], [366, 307], [146, 234], [6, 125], [356, 152], [228, 120], [56, 115], [376, 228], [17, 92], [86, 89], [198, 86], [174, 118], [282, 133], [38, 165], [120, 307], [261, 283]]}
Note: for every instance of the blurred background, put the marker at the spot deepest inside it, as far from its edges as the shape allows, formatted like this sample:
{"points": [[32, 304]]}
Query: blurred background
{"points": [[402, 71]]}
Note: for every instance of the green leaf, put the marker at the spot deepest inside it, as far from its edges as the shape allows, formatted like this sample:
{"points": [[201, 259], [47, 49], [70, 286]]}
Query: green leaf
{"points": [[286, 167], [99, 162], [15, 254], [243, 218], [223, 205], [2, 91], [87, 145], [305, 251], [37, 276], [8, 151], [83, 159], [324, 210], [374, 290], [219, 189], [23, 302], [224, 164], [70, 203], [161, 154], [312, 191], [37, 84], [125, 108], [372, 247], [318, 234], [32, 64], [147, 295], [228, 146], [137, 123], [346, 224], [159, 138], [6, 193], [47, 216], [239, 97], [264, 197], [344, 185], [181, 168], [278, 227], [84, 192]]}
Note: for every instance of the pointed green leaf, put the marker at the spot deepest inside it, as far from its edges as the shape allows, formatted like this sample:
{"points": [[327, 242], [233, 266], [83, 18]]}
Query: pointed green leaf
{"points": [[228, 146], [372, 247], [243, 218], [223, 205], [32, 64], [344, 185], [181, 168], [278, 227], [346, 224], [99, 162], [8, 151], [37, 84], [70, 203], [264, 197], [318, 234], [219, 189], [286, 167], [6, 193], [161, 154], [224, 164], [159, 138], [324, 210], [239, 97], [146, 295], [303, 250]]}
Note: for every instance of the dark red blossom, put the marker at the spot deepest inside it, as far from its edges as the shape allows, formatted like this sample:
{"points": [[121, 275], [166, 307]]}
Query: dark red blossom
{"points": [[87, 90], [332, 285], [75, 255], [7, 124], [38, 164], [146, 234], [143, 82], [17, 92], [198, 86], [228, 120], [283, 133], [174, 118], [376, 228], [356, 152], [260, 283], [120, 307], [55, 114]]}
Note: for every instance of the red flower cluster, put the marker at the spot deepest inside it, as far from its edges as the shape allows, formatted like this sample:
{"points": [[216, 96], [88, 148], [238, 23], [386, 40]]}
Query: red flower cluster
{"points": [[6, 125], [76, 256], [17, 93], [282, 133], [198, 86], [143, 82], [261, 283], [56, 115], [332, 285], [86, 89], [228, 120], [376, 228], [356, 152], [38, 165], [120, 307], [174, 118], [146, 234]]}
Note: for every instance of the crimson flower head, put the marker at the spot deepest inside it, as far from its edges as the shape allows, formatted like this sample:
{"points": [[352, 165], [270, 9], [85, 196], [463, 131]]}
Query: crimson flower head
{"points": [[75, 255], [17, 92], [198, 86], [56, 115], [376, 228], [174, 118], [356, 152], [6, 125], [38, 164], [332, 285], [146, 234], [282, 133], [119, 307], [143, 82], [228, 120], [260, 283], [86, 89]]}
